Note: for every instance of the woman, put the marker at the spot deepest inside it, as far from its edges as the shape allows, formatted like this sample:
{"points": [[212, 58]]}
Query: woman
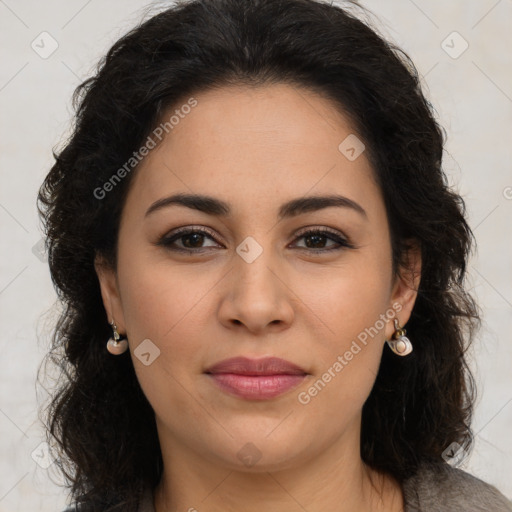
{"points": [[252, 208]]}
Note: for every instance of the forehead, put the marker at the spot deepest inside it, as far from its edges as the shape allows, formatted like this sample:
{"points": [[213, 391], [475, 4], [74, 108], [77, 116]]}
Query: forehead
{"points": [[268, 141]]}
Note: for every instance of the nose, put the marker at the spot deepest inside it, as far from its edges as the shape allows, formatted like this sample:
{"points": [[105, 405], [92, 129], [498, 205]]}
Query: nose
{"points": [[256, 295]]}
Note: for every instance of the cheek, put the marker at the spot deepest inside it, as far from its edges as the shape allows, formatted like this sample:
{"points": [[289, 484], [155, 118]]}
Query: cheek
{"points": [[352, 305], [159, 300], [166, 305], [347, 356], [163, 304], [345, 300]]}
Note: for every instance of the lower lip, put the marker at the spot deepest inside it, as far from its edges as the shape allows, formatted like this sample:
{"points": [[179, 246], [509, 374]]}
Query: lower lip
{"points": [[256, 387]]}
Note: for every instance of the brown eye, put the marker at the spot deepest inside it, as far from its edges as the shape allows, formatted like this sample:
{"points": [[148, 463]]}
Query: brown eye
{"points": [[191, 240], [315, 240]]}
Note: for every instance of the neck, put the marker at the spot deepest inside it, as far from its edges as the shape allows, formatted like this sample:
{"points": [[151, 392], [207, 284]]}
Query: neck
{"points": [[335, 480]]}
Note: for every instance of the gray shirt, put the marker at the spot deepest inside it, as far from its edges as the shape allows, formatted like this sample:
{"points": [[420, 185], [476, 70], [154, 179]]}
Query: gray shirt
{"points": [[448, 489]]}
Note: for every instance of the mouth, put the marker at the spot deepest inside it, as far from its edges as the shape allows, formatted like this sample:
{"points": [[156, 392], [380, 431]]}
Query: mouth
{"points": [[256, 379]]}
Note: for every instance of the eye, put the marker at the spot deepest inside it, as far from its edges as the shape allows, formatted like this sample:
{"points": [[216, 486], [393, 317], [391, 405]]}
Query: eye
{"points": [[191, 240], [317, 237]]}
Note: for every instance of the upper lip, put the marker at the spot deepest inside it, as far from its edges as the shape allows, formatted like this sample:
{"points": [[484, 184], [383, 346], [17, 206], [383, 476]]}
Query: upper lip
{"points": [[263, 366]]}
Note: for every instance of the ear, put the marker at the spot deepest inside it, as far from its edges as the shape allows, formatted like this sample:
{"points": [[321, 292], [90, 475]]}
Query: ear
{"points": [[405, 286], [110, 292]]}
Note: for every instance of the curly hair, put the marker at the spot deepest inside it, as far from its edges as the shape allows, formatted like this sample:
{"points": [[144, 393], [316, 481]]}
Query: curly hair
{"points": [[98, 420]]}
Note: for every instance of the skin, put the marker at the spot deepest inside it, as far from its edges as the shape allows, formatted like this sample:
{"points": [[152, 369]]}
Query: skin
{"points": [[256, 148]]}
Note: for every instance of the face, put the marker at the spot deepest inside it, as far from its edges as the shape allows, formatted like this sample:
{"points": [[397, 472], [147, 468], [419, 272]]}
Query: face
{"points": [[312, 285]]}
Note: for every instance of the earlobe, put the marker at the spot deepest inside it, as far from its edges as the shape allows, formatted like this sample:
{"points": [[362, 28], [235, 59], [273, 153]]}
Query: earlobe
{"points": [[107, 278]]}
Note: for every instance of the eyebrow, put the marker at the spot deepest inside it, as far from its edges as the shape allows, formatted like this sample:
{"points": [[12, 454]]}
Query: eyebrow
{"points": [[217, 207]]}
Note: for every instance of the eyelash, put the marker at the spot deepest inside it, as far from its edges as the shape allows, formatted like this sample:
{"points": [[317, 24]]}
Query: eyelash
{"points": [[167, 240]]}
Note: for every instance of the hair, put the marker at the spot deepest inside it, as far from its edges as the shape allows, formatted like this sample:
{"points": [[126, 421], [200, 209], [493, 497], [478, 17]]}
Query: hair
{"points": [[98, 420]]}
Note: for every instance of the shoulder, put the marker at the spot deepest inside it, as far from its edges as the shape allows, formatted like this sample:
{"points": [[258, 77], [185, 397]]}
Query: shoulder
{"points": [[444, 488]]}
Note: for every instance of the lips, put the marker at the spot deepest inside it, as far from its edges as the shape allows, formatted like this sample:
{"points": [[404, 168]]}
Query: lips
{"points": [[256, 379], [264, 366]]}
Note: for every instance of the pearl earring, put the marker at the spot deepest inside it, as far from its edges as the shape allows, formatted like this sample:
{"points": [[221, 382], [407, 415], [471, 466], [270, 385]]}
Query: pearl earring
{"points": [[116, 345], [399, 342]]}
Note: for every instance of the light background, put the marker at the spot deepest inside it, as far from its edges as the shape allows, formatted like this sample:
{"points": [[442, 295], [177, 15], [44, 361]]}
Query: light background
{"points": [[472, 95]]}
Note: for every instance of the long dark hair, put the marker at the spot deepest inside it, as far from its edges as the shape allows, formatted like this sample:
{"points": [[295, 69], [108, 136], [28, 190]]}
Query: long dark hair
{"points": [[99, 422]]}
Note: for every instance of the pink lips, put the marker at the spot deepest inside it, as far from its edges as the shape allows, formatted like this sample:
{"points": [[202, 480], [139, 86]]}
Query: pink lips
{"points": [[256, 379]]}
